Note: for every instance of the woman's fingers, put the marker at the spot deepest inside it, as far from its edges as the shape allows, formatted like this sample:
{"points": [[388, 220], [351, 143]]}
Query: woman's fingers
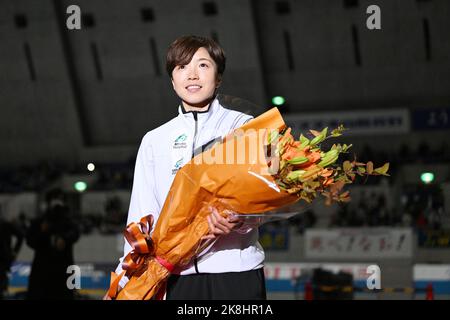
{"points": [[219, 225], [208, 237], [233, 218], [222, 223], [214, 225], [210, 225]]}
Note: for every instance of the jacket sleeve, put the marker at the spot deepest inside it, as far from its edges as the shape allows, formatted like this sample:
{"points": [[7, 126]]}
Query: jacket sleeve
{"points": [[143, 197], [241, 120]]}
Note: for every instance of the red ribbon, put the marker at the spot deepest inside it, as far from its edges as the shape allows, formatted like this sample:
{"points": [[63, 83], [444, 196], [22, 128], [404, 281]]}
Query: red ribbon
{"points": [[165, 264]]}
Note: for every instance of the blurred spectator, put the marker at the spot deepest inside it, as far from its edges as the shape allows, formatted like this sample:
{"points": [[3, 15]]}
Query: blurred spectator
{"points": [[22, 222], [24, 178], [361, 216], [89, 223], [406, 219], [405, 153], [303, 221], [434, 219], [52, 236], [420, 206], [8, 251], [424, 150], [115, 217], [119, 175]]}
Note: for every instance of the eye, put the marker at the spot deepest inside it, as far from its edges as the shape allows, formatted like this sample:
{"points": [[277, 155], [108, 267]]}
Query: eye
{"points": [[181, 67], [204, 65]]}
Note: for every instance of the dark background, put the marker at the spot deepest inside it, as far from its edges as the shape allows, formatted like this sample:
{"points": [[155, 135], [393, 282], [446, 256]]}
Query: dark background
{"points": [[71, 97]]}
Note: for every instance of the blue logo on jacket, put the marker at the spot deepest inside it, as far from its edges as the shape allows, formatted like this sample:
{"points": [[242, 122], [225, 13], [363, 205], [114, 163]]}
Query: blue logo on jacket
{"points": [[180, 142], [181, 138], [177, 166]]}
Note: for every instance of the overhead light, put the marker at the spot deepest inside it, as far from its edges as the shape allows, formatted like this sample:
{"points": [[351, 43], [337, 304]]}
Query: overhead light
{"points": [[278, 100], [427, 177], [80, 186], [91, 167]]}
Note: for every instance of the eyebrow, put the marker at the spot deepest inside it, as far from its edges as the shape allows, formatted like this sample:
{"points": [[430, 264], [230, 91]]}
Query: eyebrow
{"points": [[204, 59]]}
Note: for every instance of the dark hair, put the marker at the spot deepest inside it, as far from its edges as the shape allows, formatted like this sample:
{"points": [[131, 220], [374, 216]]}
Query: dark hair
{"points": [[183, 49]]}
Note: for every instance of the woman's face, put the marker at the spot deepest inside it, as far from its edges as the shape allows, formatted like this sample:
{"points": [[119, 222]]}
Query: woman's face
{"points": [[196, 82]]}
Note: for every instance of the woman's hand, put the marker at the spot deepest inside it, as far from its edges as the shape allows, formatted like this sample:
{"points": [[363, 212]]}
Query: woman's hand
{"points": [[219, 226]]}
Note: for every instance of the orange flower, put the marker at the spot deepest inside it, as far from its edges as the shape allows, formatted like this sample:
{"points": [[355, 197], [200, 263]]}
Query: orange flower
{"points": [[307, 166], [291, 153], [314, 156], [328, 182], [326, 173]]}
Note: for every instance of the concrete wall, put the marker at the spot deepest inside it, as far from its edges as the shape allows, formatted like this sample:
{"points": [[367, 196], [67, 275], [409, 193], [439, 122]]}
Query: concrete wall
{"points": [[393, 69], [56, 107], [38, 117]]}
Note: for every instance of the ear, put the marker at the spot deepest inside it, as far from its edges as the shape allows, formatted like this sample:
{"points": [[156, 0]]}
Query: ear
{"points": [[218, 81], [173, 83]]}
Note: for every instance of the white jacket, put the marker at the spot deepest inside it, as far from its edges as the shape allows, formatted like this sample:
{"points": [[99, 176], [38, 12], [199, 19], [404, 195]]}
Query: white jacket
{"points": [[163, 151]]}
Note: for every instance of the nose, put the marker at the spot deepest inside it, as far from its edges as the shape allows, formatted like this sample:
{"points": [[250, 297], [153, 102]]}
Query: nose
{"points": [[192, 75]]}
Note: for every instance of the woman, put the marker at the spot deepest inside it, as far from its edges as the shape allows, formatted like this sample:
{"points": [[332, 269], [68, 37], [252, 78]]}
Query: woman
{"points": [[233, 267]]}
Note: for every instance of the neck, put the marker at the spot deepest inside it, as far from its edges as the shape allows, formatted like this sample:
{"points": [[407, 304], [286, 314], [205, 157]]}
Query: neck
{"points": [[201, 107]]}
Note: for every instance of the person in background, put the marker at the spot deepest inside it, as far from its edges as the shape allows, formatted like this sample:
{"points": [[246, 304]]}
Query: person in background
{"points": [[52, 237], [9, 233]]}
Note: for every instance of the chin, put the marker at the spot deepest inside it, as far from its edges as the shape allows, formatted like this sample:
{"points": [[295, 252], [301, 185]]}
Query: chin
{"points": [[198, 102]]}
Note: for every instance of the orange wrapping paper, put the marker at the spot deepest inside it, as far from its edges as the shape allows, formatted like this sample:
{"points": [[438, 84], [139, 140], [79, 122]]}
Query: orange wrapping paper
{"points": [[244, 186]]}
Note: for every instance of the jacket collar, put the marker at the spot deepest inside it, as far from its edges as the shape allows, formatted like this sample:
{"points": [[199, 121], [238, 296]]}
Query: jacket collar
{"points": [[202, 116]]}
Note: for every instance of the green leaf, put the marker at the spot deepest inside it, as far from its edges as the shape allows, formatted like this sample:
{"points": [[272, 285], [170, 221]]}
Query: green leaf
{"points": [[294, 175], [303, 139], [351, 176], [281, 184], [347, 166], [383, 170], [361, 170], [346, 147], [320, 137], [335, 133], [369, 167], [338, 131], [298, 160]]}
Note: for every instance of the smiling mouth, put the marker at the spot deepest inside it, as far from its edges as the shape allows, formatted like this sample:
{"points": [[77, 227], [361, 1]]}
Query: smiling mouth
{"points": [[193, 88]]}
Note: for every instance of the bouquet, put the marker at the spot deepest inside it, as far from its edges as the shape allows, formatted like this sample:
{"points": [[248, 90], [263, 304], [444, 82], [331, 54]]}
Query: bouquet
{"points": [[256, 169]]}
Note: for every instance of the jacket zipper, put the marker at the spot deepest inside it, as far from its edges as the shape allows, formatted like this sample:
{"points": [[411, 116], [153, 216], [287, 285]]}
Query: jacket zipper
{"points": [[195, 133], [193, 154]]}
